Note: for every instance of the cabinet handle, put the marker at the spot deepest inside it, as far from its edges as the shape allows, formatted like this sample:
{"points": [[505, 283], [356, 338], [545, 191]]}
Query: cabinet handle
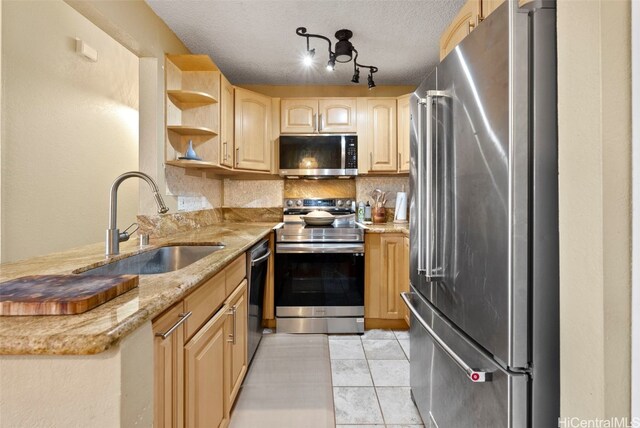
{"points": [[226, 155], [320, 123], [399, 160], [472, 25], [183, 318], [232, 336], [237, 156], [370, 160]]}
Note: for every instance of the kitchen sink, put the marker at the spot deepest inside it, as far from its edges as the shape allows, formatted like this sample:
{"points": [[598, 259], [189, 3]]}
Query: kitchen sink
{"points": [[160, 260]]}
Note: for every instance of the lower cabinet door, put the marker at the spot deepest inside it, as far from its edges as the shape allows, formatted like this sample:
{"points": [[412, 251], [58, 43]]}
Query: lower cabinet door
{"points": [[236, 328], [168, 369], [205, 397]]}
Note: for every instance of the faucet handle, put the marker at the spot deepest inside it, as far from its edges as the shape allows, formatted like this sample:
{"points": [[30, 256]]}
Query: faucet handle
{"points": [[124, 236]]}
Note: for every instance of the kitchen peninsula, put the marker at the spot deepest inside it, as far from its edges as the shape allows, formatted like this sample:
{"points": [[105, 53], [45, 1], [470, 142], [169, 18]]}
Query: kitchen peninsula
{"points": [[96, 368]]}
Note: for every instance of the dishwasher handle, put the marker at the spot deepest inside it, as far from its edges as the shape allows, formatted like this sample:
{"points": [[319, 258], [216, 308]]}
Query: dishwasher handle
{"points": [[261, 259], [473, 374]]}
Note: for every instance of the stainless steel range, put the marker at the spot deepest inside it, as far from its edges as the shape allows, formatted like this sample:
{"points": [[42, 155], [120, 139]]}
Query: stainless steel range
{"points": [[319, 278]]}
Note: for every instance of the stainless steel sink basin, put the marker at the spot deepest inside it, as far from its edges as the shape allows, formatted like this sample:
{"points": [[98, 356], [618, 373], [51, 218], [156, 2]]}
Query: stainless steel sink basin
{"points": [[160, 260]]}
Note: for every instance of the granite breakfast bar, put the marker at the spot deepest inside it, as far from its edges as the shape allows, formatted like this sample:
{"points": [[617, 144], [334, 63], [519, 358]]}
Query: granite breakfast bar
{"points": [[64, 363]]}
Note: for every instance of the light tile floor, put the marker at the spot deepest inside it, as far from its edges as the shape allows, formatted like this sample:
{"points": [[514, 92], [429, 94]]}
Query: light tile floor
{"points": [[370, 375], [293, 378]]}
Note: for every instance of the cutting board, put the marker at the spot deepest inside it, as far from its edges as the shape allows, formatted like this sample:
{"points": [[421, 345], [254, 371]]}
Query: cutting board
{"points": [[61, 294]]}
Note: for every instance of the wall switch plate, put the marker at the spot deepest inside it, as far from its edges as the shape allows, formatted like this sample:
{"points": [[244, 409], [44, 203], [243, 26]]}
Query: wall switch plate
{"points": [[86, 51]]}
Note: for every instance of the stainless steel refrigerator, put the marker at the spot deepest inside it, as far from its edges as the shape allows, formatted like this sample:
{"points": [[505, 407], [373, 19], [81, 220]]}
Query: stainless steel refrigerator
{"points": [[484, 228]]}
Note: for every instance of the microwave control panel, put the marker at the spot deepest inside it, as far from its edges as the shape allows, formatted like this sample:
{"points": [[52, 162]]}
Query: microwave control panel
{"points": [[351, 161]]}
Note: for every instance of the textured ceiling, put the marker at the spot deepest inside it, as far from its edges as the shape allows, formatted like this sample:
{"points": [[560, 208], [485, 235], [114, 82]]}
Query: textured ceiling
{"points": [[254, 41]]}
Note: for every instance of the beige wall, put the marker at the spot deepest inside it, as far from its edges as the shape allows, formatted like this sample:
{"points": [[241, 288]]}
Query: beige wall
{"points": [[110, 389], [138, 28], [594, 123], [69, 127]]}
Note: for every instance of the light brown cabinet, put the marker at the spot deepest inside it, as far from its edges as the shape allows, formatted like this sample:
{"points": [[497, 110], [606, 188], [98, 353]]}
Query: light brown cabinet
{"points": [[472, 13], [196, 382], [381, 135], [462, 25], [230, 128], [205, 398], [488, 6], [192, 109], [386, 276], [252, 131], [236, 331], [318, 115], [168, 370], [298, 115], [404, 132], [227, 114]]}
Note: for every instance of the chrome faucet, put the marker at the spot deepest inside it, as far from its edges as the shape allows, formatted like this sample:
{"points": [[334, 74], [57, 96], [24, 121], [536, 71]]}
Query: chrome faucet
{"points": [[114, 237]]}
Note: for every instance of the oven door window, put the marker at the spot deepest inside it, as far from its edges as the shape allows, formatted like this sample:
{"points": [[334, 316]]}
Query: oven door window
{"points": [[319, 280], [310, 152]]}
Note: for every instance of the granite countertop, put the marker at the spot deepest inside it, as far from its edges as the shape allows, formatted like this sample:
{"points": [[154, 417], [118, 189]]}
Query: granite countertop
{"points": [[386, 228], [96, 330]]}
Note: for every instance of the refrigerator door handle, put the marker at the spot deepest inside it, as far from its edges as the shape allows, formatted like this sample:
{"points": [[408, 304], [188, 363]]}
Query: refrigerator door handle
{"points": [[425, 257], [419, 193], [474, 375]]}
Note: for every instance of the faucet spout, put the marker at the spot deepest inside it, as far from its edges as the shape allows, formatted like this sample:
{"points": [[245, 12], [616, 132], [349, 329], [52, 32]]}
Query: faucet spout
{"points": [[113, 234]]}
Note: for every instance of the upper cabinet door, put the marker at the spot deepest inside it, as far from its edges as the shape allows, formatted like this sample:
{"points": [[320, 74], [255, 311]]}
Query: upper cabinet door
{"points": [[404, 126], [337, 115], [464, 22], [252, 130], [381, 131], [298, 116], [226, 122], [488, 6]]}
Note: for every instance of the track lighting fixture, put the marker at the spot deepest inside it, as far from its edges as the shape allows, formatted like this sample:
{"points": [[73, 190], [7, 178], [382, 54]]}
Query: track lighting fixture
{"points": [[370, 81], [344, 51], [356, 76], [308, 57], [331, 65]]}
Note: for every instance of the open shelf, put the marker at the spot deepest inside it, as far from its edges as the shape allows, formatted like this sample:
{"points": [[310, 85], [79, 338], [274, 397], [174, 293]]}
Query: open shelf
{"points": [[191, 130], [221, 170], [190, 99]]}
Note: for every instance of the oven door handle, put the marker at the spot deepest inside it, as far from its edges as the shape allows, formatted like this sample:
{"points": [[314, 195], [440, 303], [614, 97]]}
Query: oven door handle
{"points": [[356, 248]]}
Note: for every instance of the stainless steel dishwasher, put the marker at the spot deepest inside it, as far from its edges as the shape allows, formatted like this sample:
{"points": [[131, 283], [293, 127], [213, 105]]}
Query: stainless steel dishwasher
{"points": [[257, 267]]}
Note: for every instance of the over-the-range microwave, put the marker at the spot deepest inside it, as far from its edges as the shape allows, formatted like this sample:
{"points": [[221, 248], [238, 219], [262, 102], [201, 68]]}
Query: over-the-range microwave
{"points": [[318, 155]]}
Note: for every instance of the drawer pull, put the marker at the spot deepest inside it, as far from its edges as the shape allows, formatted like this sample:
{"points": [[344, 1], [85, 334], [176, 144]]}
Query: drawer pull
{"points": [[183, 318], [232, 337]]}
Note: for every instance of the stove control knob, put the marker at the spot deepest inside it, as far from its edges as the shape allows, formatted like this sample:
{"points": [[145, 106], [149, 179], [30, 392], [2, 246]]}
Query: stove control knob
{"points": [[347, 203], [289, 203], [299, 203], [339, 202]]}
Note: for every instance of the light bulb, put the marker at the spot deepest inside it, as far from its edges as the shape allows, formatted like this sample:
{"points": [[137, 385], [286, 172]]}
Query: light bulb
{"points": [[308, 57]]}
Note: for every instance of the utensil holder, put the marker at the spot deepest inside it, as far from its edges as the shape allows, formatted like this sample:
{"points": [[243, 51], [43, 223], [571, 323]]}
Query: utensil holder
{"points": [[379, 215]]}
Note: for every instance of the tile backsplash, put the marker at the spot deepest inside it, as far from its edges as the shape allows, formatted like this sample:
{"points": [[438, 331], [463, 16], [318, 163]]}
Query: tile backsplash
{"points": [[193, 192], [270, 193], [253, 193], [391, 185]]}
